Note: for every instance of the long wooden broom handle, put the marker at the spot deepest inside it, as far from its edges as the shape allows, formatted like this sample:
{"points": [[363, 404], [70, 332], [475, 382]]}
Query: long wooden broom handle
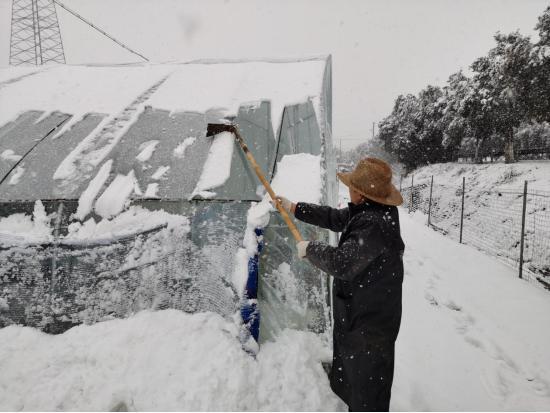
{"points": [[266, 185]]}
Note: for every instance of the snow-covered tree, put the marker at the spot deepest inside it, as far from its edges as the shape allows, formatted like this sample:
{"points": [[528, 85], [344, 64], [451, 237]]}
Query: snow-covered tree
{"points": [[481, 113], [509, 85], [540, 69], [431, 128], [456, 127]]}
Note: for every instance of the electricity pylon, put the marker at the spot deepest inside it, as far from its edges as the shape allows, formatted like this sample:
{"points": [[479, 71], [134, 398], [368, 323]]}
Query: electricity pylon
{"points": [[35, 35]]}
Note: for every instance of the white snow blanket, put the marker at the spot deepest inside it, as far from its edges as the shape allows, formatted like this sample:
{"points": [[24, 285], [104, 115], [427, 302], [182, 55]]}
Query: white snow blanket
{"points": [[489, 176], [492, 208], [473, 337], [199, 86], [164, 360]]}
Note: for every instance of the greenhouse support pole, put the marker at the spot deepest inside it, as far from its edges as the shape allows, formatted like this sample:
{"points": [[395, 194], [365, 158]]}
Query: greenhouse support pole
{"points": [[522, 230]]}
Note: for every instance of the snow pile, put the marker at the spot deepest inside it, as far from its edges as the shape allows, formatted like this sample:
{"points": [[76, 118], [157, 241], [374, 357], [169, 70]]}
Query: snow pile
{"points": [[257, 217], [10, 155], [90, 193], [179, 151], [217, 168], [152, 191], [299, 178], [474, 337], [160, 172], [146, 150], [165, 360], [17, 174], [116, 197], [134, 220], [22, 228]]}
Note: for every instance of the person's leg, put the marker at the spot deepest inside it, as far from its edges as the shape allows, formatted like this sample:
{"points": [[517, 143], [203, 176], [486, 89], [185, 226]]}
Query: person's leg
{"points": [[387, 372], [338, 381], [370, 374]]}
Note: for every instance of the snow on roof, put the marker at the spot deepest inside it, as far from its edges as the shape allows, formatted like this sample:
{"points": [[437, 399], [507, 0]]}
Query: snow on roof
{"points": [[148, 120], [76, 90], [197, 87]]}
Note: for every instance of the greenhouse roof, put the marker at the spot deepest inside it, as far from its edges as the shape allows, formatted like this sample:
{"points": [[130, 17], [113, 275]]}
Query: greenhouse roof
{"points": [[105, 134]]}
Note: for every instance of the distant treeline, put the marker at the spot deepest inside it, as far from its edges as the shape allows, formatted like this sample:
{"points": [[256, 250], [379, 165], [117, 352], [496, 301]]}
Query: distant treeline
{"points": [[502, 109]]}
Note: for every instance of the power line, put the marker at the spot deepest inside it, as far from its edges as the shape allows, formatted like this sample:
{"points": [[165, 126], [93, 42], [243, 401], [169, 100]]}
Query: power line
{"points": [[98, 29]]}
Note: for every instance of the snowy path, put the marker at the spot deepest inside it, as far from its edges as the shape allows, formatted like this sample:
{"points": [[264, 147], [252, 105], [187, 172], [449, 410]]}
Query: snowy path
{"points": [[473, 336]]}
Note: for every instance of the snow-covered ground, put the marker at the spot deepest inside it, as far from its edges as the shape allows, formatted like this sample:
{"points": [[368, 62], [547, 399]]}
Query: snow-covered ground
{"points": [[474, 337], [487, 176], [493, 208], [165, 360]]}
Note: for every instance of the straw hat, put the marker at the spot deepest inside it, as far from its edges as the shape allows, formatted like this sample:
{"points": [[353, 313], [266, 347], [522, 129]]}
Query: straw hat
{"points": [[372, 179]]}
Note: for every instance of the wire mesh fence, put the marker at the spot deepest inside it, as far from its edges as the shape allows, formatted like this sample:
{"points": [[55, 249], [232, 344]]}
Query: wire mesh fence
{"points": [[55, 286], [512, 224], [58, 284]]}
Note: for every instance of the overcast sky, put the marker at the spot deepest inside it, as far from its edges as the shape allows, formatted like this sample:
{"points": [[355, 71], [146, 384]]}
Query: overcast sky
{"points": [[380, 48]]}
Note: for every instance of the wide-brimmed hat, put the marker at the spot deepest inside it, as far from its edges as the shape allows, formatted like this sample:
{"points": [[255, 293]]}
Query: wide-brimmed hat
{"points": [[372, 179]]}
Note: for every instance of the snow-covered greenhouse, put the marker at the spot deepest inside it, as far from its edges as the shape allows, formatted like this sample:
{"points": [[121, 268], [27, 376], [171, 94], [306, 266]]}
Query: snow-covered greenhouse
{"points": [[114, 200]]}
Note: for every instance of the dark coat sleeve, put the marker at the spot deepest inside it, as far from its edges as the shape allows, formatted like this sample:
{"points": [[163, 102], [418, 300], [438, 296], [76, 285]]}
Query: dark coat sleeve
{"points": [[322, 216], [362, 246]]}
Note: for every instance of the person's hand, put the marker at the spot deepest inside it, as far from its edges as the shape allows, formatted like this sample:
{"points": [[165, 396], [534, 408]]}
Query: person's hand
{"points": [[302, 248], [284, 202]]}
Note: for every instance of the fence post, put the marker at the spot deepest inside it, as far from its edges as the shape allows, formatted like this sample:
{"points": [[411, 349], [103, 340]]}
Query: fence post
{"points": [[53, 280], [462, 209], [430, 204], [411, 200], [522, 230]]}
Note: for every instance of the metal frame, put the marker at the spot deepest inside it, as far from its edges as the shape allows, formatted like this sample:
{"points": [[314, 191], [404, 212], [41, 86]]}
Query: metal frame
{"points": [[35, 35]]}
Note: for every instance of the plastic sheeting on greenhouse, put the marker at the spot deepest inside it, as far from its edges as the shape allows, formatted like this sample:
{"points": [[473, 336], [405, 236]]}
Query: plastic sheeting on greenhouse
{"points": [[90, 141]]}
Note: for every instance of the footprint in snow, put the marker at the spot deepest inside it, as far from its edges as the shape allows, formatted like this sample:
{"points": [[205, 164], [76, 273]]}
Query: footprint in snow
{"points": [[430, 284], [541, 386], [495, 383], [431, 299], [498, 354], [464, 323], [474, 342], [451, 305]]}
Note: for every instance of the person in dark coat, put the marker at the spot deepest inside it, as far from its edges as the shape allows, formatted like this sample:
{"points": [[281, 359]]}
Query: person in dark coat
{"points": [[367, 266]]}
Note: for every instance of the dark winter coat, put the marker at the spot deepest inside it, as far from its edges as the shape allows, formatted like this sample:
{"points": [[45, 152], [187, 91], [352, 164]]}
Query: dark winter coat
{"points": [[367, 266]]}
